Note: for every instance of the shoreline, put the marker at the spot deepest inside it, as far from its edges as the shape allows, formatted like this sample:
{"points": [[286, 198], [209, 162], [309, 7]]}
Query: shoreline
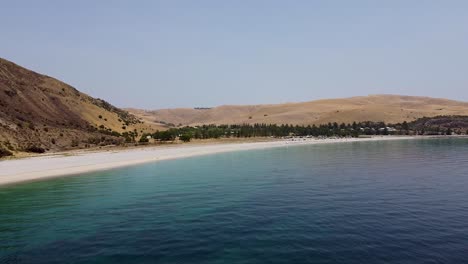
{"points": [[60, 165]]}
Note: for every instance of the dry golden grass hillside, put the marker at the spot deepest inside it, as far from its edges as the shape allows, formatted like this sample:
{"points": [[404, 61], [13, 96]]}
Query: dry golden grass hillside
{"points": [[387, 108], [37, 110]]}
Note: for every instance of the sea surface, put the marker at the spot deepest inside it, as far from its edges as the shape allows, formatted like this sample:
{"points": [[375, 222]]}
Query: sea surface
{"points": [[402, 201]]}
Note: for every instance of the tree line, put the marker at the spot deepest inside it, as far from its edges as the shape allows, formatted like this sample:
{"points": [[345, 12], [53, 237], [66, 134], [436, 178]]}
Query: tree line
{"points": [[355, 129]]}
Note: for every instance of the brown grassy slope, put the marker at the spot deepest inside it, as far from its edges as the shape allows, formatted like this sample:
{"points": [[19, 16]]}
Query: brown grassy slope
{"points": [[38, 110], [387, 108]]}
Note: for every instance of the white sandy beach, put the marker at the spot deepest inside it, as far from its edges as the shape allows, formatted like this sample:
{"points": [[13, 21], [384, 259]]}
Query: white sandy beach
{"points": [[43, 167]]}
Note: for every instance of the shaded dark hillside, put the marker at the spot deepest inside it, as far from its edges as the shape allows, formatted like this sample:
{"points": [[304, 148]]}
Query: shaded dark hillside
{"points": [[441, 124], [42, 112]]}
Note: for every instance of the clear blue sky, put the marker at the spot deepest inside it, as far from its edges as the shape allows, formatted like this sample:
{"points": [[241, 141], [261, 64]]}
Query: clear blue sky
{"points": [[160, 54]]}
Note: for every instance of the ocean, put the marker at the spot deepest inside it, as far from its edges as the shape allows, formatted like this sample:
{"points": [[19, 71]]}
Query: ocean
{"points": [[403, 201]]}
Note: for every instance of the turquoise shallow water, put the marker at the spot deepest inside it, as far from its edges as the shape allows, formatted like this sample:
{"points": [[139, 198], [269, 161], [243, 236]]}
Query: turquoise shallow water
{"points": [[369, 202]]}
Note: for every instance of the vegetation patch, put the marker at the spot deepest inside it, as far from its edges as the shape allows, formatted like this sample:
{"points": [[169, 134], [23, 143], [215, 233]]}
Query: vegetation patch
{"points": [[5, 152], [35, 149], [123, 115], [441, 125]]}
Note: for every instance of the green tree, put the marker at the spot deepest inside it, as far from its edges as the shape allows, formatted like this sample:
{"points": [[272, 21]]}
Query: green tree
{"points": [[186, 137], [164, 135]]}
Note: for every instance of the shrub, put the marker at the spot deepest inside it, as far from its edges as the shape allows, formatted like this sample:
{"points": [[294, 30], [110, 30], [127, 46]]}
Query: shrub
{"points": [[35, 149], [144, 139], [75, 143], [5, 152]]}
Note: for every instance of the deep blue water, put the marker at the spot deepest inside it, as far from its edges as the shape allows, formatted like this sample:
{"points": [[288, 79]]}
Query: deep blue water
{"points": [[369, 202]]}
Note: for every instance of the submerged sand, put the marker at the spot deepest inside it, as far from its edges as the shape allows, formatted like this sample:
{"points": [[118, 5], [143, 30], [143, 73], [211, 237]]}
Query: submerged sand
{"points": [[43, 167]]}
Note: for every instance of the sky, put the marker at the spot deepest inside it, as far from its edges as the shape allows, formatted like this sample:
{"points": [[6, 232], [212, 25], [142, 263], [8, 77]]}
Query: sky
{"points": [[165, 54]]}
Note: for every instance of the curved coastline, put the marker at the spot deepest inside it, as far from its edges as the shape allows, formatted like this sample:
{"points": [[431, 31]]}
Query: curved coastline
{"points": [[45, 167]]}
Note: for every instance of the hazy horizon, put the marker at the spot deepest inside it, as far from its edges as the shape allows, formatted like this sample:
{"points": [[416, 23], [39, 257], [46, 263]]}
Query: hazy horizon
{"points": [[167, 54]]}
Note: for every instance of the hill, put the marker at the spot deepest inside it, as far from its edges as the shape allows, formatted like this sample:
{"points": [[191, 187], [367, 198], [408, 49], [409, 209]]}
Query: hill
{"points": [[386, 108], [39, 112]]}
